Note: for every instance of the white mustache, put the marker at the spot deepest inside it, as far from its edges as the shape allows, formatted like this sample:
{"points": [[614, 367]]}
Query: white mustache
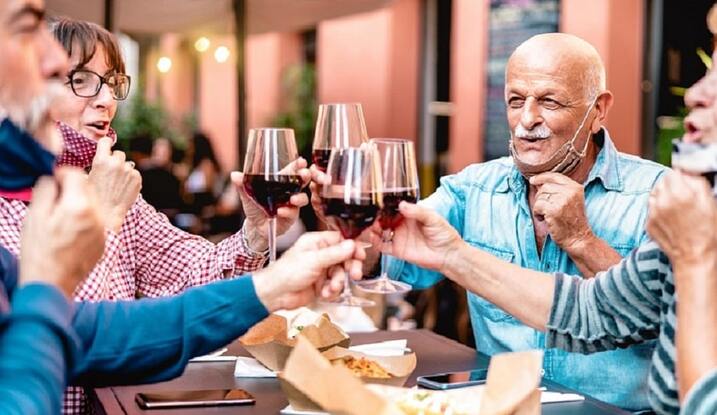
{"points": [[542, 131]]}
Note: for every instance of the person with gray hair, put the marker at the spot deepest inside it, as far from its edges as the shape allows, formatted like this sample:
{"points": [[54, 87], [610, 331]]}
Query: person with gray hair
{"points": [[565, 201]]}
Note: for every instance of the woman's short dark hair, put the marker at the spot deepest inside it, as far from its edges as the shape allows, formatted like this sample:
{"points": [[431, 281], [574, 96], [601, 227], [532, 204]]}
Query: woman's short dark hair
{"points": [[81, 38]]}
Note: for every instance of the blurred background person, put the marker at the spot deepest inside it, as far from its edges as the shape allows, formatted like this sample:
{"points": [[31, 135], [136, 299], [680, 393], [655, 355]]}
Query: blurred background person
{"points": [[204, 176], [160, 187]]}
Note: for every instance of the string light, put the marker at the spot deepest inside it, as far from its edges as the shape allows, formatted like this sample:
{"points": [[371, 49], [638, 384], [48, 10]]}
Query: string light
{"points": [[164, 64], [202, 44], [221, 54]]}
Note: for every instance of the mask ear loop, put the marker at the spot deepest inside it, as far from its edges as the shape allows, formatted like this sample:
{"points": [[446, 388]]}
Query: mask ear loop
{"points": [[581, 154]]}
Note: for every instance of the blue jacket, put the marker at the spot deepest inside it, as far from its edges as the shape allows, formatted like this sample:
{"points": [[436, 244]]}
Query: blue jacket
{"points": [[47, 341]]}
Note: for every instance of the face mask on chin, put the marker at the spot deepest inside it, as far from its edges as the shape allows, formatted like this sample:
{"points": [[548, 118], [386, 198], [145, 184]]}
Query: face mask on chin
{"points": [[22, 159], [564, 160], [696, 158]]}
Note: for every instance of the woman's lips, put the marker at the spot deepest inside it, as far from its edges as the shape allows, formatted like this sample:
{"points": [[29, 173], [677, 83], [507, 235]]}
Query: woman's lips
{"points": [[99, 129], [692, 132]]}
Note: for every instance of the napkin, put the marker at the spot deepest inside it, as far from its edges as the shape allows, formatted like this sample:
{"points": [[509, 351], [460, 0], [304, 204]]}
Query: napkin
{"points": [[291, 411], [216, 356], [386, 348], [555, 397], [247, 367]]}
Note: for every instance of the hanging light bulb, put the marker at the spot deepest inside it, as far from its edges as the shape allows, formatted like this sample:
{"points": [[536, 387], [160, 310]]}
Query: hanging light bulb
{"points": [[221, 54]]}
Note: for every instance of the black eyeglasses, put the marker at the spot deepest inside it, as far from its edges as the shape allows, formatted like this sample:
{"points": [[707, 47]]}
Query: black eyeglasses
{"points": [[87, 84]]}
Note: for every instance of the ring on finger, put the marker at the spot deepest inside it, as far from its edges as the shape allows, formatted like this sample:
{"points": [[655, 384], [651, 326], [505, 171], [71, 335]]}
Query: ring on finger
{"points": [[130, 164]]}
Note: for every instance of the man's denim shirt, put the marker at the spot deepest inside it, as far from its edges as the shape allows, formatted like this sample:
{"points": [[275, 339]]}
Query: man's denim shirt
{"points": [[487, 203]]}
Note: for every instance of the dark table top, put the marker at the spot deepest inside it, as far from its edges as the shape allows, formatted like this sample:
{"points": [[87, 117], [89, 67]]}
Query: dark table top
{"points": [[435, 354]]}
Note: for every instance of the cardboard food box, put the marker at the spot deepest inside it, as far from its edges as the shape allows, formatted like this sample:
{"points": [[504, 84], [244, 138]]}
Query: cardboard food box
{"points": [[399, 368], [269, 341], [312, 383]]}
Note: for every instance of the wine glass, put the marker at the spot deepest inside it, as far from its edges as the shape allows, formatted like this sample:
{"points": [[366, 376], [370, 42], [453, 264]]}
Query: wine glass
{"points": [[400, 182], [337, 126], [351, 200], [270, 176]]}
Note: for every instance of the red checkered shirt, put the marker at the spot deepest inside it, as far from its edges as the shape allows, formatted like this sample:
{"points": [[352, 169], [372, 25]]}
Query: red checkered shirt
{"points": [[148, 256]]}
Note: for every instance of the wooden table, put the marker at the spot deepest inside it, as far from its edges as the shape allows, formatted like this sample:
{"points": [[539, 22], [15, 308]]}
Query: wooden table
{"points": [[435, 354]]}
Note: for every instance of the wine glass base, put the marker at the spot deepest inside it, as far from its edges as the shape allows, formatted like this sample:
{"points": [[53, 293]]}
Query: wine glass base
{"points": [[383, 286], [350, 301]]}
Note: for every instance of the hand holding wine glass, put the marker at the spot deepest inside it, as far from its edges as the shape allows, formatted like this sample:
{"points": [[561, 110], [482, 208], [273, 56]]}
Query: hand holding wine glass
{"points": [[319, 262], [350, 201], [273, 177], [423, 238], [400, 183]]}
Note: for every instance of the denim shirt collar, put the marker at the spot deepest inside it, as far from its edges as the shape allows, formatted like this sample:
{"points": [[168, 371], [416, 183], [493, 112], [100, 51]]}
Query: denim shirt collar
{"points": [[606, 168]]}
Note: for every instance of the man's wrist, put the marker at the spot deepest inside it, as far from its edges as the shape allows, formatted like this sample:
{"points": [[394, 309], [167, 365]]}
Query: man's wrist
{"points": [[696, 257], [265, 289], [62, 285], [582, 245], [695, 265], [452, 266]]}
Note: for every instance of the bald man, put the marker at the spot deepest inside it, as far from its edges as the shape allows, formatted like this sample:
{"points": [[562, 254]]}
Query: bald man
{"points": [[565, 201]]}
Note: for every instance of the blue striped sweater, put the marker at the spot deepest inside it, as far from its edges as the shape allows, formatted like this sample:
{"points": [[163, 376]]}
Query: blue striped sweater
{"points": [[630, 303]]}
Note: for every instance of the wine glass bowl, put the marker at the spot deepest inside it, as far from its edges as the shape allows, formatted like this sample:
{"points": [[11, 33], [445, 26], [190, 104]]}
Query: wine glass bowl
{"points": [[339, 125], [270, 173]]}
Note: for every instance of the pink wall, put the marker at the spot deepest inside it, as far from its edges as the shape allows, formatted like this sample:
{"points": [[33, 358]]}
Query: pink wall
{"points": [[268, 56], [405, 63], [353, 65], [615, 28], [469, 48], [218, 102], [373, 58]]}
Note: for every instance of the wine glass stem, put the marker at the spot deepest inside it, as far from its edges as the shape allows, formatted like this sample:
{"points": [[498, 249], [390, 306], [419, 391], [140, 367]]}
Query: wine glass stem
{"points": [[386, 237], [272, 240]]}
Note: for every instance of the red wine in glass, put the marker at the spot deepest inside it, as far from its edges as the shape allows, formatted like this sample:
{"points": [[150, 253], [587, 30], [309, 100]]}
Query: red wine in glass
{"points": [[351, 200], [320, 157], [400, 182], [272, 191], [351, 218], [270, 174], [389, 216]]}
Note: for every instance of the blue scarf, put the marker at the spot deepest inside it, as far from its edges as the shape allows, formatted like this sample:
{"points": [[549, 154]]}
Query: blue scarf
{"points": [[22, 159]]}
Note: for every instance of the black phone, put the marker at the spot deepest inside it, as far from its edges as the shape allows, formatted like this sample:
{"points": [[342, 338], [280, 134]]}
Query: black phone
{"points": [[453, 380], [194, 398]]}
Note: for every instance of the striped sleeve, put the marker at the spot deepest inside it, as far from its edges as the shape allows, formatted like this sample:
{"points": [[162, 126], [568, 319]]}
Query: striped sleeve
{"points": [[702, 398], [618, 308]]}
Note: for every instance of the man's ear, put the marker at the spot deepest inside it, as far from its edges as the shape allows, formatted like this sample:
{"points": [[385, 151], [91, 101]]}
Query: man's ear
{"points": [[603, 103]]}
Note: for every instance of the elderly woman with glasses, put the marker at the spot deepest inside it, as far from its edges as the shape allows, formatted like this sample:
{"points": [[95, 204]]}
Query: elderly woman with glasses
{"points": [[144, 254]]}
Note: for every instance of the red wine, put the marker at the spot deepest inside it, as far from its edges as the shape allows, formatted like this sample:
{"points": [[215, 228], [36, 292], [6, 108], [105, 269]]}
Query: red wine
{"points": [[272, 191], [352, 218], [320, 157], [389, 217]]}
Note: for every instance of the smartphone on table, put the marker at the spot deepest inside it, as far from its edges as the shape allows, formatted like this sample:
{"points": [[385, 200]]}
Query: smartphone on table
{"points": [[194, 398], [453, 380]]}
